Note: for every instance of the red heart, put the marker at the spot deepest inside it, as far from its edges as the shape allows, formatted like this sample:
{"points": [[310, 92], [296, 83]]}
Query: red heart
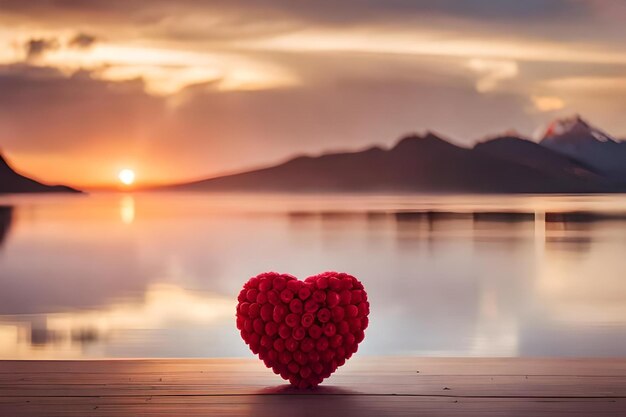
{"points": [[303, 330]]}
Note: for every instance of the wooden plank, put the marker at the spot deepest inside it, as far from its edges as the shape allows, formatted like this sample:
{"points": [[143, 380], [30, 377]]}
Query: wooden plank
{"points": [[465, 386], [435, 366], [365, 386], [313, 405]]}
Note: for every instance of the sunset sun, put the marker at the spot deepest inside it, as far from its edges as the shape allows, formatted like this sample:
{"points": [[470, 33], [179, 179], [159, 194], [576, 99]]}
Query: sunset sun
{"points": [[127, 176]]}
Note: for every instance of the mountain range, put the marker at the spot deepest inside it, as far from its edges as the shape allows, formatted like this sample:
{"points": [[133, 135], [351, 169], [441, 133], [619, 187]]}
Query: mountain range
{"points": [[13, 182], [572, 157]]}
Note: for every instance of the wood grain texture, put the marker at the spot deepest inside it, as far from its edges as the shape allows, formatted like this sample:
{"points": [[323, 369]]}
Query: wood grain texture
{"points": [[364, 387]]}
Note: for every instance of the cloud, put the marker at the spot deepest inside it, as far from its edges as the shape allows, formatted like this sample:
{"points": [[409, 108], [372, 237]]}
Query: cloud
{"points": [[35, 48], [589, 84], [174, 45], [491, 72], [82, 41], [548, 103], [219, 20], [38, 48], [328, 11]]}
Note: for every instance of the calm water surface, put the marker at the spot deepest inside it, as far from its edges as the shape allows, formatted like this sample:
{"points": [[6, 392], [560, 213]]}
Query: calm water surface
{"points": [[141, 275]]}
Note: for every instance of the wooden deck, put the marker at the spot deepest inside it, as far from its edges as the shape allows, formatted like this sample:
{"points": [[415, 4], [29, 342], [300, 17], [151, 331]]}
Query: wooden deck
{"points": [[364, 387]]}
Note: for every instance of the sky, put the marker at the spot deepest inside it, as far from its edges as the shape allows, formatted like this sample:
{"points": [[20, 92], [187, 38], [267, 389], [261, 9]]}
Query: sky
{"points": [[179, 90]]}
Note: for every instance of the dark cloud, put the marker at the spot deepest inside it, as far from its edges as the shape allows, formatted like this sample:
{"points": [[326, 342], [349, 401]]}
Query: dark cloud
{"points": [[238, 18], [361, 11], [320, 10], [82, 41], [214, 22], [37, 47]]}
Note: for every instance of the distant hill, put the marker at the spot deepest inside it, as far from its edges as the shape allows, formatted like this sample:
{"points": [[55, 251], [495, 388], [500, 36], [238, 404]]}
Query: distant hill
{"points": [[540, 158], [578, 139], [422, 164], [12, 182]]}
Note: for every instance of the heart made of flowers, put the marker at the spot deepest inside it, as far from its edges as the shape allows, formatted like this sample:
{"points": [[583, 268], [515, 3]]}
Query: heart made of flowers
{"points": [[303, 330]]}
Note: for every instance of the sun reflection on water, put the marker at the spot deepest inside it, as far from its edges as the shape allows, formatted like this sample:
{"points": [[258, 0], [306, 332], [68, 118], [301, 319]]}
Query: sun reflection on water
{"points": [[127, 209]]}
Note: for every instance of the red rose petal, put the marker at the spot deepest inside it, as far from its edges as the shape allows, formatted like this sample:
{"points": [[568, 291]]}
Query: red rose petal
{"points": [[294, 286], [305, 372], [300, 357], [311, 306], [317, 367], [322, 283], [266, 312], [352, 310], [304, 293], [307, 345], [292, 344], [279, 283], [279, 345], [254, 310], [338, 313], [307, 319], [329, 329], [332, 299], [265, 285], [324, 315], [258, 326], [321, 344], [284, 331], [251, 295], [343, 327], [345, 297], [273, 297], [334, 283], [284, 358], [293, 367], [286, 295], [315, 331], [336, 341], [279, 312], [292, 320], [295, 306], [319, 296], [271, 328], [298, 333]]}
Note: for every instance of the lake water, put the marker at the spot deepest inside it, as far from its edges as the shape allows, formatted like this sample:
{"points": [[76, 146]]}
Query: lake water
{"points": [[156, 275]]}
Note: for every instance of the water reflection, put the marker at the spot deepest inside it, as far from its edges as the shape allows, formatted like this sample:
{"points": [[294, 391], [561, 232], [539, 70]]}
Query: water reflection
{"points": [[70, 333], [127, 209], [447, 275], [6, 218]]}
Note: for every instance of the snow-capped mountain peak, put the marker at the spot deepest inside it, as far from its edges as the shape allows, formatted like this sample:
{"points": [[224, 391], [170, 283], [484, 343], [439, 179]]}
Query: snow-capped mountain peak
{"points": [[575, 127], [579, 140]]}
